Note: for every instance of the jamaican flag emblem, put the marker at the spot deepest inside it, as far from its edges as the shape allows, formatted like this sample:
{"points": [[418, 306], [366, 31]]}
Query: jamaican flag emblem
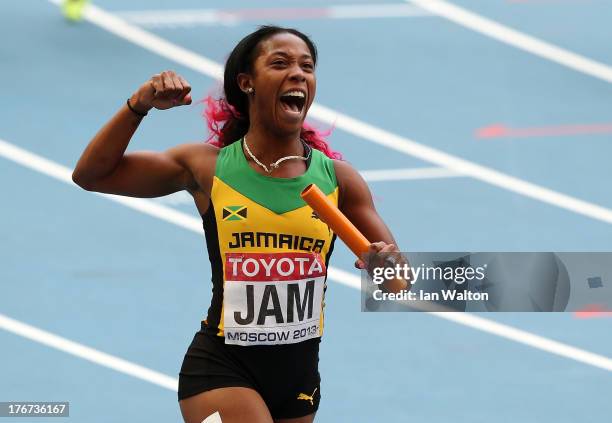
{"points": [[234, 213]]}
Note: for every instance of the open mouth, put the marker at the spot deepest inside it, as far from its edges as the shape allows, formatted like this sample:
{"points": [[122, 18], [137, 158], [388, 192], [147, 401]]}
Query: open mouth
{"points": [[293, 101]]}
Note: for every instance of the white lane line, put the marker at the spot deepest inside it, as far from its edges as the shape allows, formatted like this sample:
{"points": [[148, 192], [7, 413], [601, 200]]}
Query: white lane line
{"points": [[192, 17], [344, 278], [62, 173], [171, 18], [528, 338], [175, 199], [87, 353], [458, 165], [150, 41], [505, 34], [409, 173], [393, 10], [351, 125]]}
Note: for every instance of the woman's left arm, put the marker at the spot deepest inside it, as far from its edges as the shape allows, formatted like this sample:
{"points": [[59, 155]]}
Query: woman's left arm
{"points": [[355, 201]]}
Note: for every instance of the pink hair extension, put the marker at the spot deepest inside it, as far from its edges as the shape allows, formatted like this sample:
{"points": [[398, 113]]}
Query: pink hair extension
{"points": [[316, 139], [217, 113]]}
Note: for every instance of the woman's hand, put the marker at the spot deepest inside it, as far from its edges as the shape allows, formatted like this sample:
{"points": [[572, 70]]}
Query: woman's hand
{"points": [[383, 255], [105, 166], [376, 255], [163, 91]]}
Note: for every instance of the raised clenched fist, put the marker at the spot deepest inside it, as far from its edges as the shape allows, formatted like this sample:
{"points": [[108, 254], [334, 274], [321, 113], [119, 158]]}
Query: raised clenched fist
{"points": [[163, 91]]}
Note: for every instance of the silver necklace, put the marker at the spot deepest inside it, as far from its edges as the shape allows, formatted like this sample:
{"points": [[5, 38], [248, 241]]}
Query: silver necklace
{"points": [[277, 163]]}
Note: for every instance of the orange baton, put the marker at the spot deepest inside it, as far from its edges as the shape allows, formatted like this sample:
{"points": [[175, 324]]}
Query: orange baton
{"points": [[335, 219]]}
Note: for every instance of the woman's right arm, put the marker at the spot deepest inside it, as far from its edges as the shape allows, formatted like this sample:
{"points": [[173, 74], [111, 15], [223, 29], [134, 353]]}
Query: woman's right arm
{"points": [[105, 167]]}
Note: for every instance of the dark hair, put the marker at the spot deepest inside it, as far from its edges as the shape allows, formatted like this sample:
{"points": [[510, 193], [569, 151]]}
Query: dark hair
{"points": [[228, 117]]}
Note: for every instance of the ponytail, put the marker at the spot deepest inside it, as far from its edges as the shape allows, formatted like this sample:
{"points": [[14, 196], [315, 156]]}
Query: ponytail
{"points": [[225, 124]]}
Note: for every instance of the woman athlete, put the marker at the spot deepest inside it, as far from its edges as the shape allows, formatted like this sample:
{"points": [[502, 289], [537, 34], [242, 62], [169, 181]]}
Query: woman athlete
{"points": [[255, 358]]}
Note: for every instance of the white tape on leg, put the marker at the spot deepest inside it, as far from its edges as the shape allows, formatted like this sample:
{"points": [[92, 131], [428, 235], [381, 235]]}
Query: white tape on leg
{"points": [[213, 418]]}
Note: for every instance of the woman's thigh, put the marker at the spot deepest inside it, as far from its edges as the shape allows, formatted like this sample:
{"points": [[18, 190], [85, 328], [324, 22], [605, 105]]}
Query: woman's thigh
{"points": [[235, 405]]}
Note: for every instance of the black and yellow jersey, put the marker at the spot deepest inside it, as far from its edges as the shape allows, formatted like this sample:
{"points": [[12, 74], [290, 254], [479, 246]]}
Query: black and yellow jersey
{"points": [[268, 252]]}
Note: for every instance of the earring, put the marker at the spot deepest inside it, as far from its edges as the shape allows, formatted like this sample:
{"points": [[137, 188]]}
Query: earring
{"points": [[249, 90]]}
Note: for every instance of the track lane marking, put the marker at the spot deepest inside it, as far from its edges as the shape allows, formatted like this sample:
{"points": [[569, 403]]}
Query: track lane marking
{"points": [[361, 129], [505, 34], [63, 174]]}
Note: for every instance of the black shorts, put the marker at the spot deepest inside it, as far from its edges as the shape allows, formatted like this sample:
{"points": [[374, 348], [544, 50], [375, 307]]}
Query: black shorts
{"points": [[286, 376]]}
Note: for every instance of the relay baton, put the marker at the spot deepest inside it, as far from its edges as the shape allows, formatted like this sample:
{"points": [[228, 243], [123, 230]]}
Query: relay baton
{"points": [[335, 219]]}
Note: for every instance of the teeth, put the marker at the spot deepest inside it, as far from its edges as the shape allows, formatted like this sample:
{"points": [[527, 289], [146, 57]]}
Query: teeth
{"points": [[294, 94]]}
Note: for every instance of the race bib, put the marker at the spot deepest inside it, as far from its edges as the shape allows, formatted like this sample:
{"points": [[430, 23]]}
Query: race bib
{"points": [[272, 298]]}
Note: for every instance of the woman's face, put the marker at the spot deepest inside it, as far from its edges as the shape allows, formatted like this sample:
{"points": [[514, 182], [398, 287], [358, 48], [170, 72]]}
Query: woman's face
{"points": [[284, 83]]}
